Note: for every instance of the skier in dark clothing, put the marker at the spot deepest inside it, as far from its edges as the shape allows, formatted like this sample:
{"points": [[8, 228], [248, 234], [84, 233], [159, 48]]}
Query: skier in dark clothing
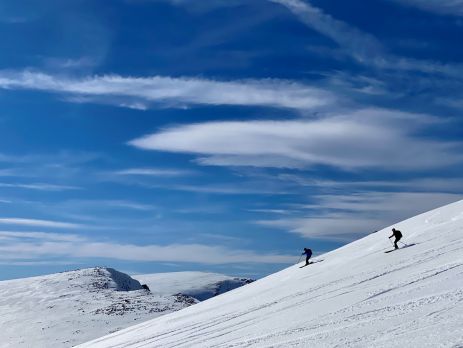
{"points": [[398, 235], [308, 254]]}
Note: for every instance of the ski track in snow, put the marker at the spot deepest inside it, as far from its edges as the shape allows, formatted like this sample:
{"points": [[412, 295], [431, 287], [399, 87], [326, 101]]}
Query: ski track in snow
{"points": [[358, 297]]}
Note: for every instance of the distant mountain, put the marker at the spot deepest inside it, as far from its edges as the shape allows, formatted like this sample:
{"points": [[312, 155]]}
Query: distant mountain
{"points": [[65, 309], [199, 285], [359, 296]]}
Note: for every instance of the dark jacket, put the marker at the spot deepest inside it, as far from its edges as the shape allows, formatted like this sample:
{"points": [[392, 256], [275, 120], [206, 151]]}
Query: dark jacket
{"points": [[307, 252], [397, 234]]}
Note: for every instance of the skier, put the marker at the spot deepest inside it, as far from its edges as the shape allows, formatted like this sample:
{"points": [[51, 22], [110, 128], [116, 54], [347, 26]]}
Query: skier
{"points": [[308, 254], [398, 235]]}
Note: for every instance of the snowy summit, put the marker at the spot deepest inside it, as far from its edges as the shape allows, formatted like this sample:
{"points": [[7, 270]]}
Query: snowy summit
{"points": [[359, 296], [68, 308]]}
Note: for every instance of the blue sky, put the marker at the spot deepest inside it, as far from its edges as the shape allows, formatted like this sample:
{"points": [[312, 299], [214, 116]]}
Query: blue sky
{"points": [[170, 135]]}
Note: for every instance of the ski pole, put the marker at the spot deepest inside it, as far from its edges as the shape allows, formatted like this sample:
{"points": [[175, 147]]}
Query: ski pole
{"points": [[403, 243], [299, 259]]}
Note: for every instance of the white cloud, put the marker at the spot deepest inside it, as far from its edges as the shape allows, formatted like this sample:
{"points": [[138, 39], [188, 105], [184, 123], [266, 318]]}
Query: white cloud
{"points": [[197, 253], [431, 184], [230, 189], [38, 223], [202, 4], [174, 92], [40, 186], [201, 7], [129, 205], [385, 203], [335, 227], [361, 139], [27, 246], [190, 253], [155, 172], [36, 263], [70, 63], [56, 159], [344, 217], [43, 236], [270, 211], [361, 44], [8, 171], [98, 204], [446, 7]]}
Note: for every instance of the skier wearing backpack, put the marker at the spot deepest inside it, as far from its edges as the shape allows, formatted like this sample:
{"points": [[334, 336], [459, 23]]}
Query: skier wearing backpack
{"points": [[308, 254], [398, 235]]}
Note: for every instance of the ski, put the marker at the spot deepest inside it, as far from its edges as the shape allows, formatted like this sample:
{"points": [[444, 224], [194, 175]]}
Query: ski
{"points": [[403, 247], [310, 263]]}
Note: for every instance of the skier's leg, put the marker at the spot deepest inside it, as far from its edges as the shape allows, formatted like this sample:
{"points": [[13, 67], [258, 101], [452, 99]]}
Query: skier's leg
{"points": [[395, 243], [307, 260]]}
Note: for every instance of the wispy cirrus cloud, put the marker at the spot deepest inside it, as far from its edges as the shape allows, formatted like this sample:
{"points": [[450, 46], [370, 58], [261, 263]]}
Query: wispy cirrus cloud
{"points": [[363, 47], [446, 7], [345, 217], [430, 184], [36, 263], [28, 246], [38, 223], [69, 157], [43, 236], [248, 188], [172, 91], [200, 6], [102, 204], [361, 139], [40, 187], [70, 63], [361, 44], [161, 172]]}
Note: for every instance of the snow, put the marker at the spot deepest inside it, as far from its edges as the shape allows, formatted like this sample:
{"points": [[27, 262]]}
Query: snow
{"points": [[199, 285], [69, 308], [65, 309], [358, 296]]}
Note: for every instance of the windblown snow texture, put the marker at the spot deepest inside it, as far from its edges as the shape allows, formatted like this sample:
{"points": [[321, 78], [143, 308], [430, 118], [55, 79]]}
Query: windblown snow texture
{"points": [[358, 297]]}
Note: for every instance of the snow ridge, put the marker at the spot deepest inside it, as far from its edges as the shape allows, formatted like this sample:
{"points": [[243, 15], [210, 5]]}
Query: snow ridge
{"points": [[68, 308]]}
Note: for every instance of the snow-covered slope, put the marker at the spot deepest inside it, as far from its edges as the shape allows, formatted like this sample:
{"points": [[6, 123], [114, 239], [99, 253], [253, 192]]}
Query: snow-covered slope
{"points": [[358, 296], [200, 285], [65, 309]]}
